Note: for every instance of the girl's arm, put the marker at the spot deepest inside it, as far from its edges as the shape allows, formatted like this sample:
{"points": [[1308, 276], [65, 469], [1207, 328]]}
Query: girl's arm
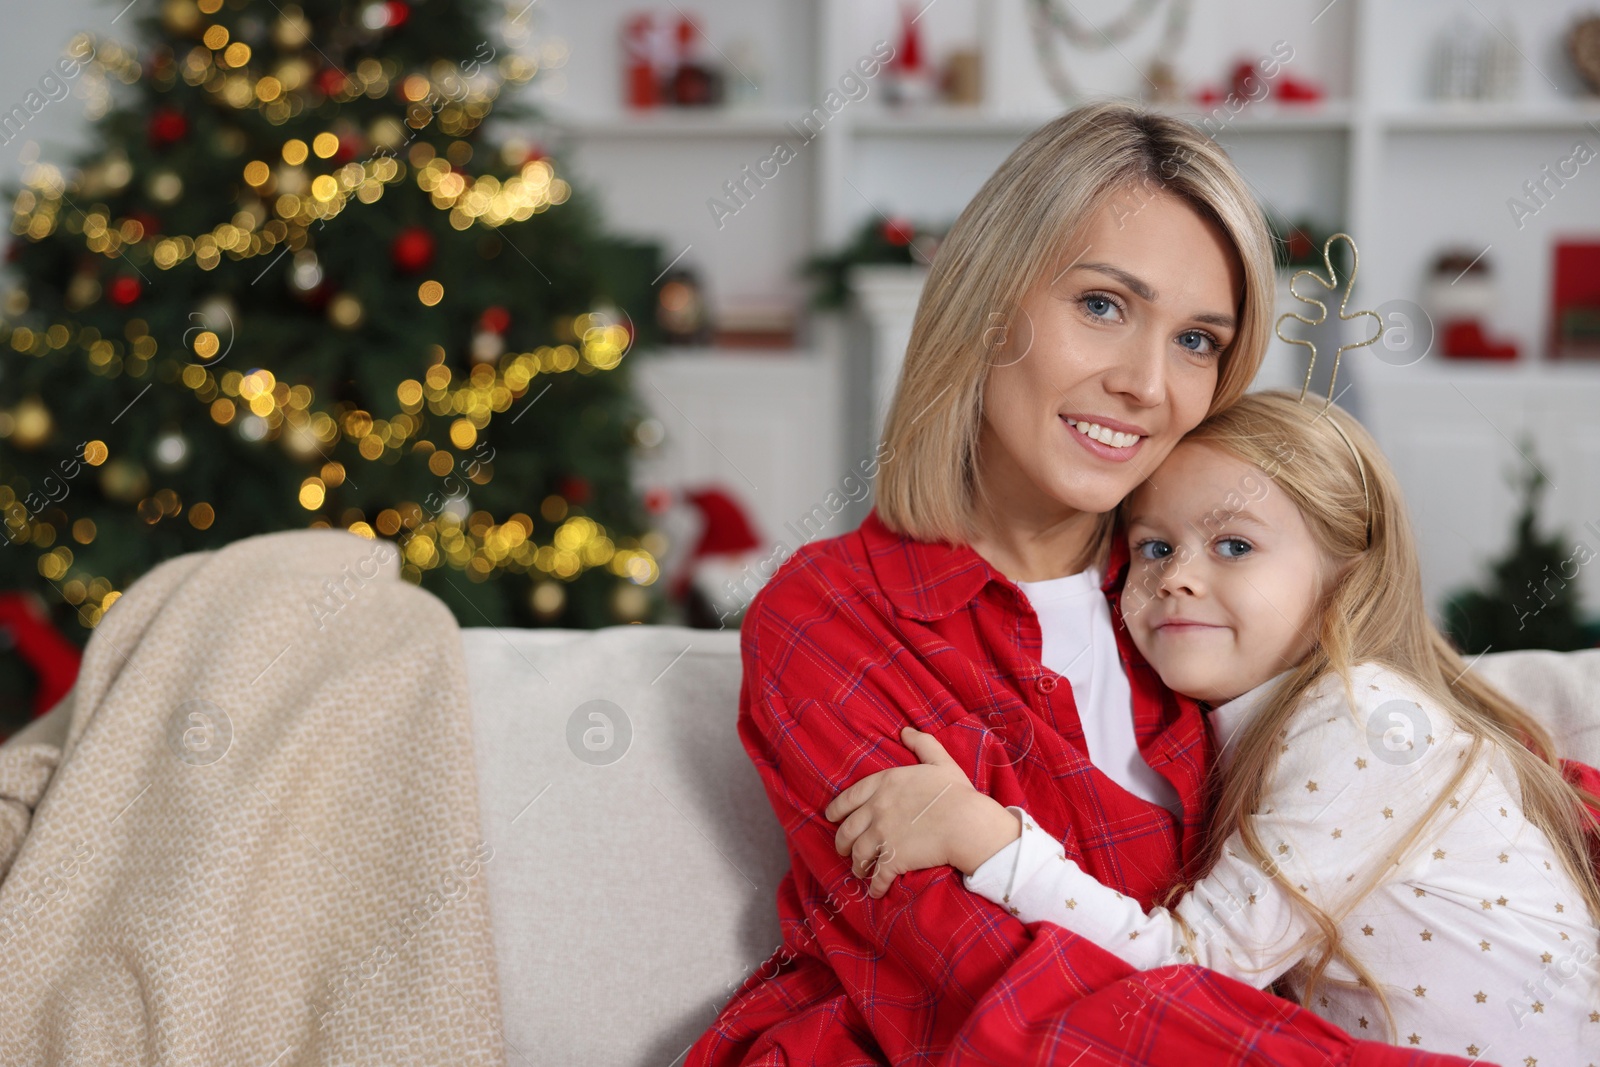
{"points": [[1346, 790], [1342, 796]]}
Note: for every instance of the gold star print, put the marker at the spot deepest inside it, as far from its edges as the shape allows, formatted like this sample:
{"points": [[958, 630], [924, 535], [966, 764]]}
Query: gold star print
{"points": [[1531, 1062], [1133, 935], [1372, 687], [1324, 1001], [1363, 1022], [1361, 764], [1252, 898], [1480, 996], [1564, 936], [1484, 945], [1501, 901], [1487, 904], [1472, 1050], [1368, 931], [1503, 858], [1388, 813], [1420, 991], [1561, 907], [1072, 903], [1547, 865], [1311, 787], [1415, 1039], [1538, 1006], [1013, 910], [1429, 738], [1594, 1016], [1419, 891], [1337, 832], [1282, 848], [1502, 813], [1545, 957], [1438, 853], [1427, 935]]}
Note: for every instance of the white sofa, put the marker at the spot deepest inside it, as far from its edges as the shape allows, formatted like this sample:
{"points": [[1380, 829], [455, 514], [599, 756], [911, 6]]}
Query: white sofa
{"points": [[629, 899]]}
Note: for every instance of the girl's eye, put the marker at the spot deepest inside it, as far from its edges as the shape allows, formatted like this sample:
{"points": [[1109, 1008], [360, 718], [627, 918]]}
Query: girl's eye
{"points": [[1158, 550], [1238, 541]]}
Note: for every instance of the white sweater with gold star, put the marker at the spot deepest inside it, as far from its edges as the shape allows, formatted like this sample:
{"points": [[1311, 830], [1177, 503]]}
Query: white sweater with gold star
{"points": [[1481, 940]]}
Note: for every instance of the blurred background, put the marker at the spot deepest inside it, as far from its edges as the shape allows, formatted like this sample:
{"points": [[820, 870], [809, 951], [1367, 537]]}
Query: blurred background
{"points": [[594, 308]]}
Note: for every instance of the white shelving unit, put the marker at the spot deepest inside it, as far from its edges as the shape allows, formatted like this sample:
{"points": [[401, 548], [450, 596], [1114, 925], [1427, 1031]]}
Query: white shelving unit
{"points": [[1405, 175]]}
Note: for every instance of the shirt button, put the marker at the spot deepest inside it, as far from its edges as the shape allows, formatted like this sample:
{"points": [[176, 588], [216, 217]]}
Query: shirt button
{"points": [[1046, 683]]}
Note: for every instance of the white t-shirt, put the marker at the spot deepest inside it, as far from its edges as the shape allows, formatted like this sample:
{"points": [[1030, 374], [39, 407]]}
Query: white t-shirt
{"points": [[1079, 644]]}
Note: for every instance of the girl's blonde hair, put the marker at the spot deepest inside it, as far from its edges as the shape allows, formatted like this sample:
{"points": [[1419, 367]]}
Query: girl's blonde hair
{"points": [[1015, 232], [1373, 613]]}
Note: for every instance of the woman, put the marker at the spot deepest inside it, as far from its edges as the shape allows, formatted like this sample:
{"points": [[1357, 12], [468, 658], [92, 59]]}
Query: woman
{"points": [[1109, 287]]}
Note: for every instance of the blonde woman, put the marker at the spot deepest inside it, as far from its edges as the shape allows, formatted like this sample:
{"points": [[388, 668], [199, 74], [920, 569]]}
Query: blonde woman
{"points": [[1107, 288], [1394, 837]]}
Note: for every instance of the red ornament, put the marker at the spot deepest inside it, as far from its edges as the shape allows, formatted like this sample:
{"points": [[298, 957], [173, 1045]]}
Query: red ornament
{"points": [[898, 231], [330, 81], [124, 290], [495, 319], [54, 659], [574, 489], [412, 249], [398, 13], [150, 223], [351, 145], [167, 127]]}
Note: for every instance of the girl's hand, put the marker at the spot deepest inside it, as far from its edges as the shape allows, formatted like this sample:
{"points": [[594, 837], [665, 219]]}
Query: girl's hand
{"points": [[910, 818]]}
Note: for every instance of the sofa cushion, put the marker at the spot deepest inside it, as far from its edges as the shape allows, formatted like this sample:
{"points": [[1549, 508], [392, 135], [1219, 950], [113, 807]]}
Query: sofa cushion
{"points": [[629, 898]]}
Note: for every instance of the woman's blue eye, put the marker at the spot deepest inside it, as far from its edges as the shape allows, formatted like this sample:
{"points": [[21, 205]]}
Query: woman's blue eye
{"points": [[1202, 335], [1161, 548], [1094, 298], [1235, 541]]}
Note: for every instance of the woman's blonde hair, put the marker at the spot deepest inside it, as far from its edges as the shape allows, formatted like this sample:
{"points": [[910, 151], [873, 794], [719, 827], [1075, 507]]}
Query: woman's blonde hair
{"points": [[1011, 235], [1373, 612]]}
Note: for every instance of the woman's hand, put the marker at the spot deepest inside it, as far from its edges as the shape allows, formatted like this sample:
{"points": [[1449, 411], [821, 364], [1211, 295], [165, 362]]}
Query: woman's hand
{"points": [[910, 818]]}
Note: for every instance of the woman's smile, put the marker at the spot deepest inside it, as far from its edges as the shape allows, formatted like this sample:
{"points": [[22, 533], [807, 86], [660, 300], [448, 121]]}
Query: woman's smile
{"points": [[1100, 448]]}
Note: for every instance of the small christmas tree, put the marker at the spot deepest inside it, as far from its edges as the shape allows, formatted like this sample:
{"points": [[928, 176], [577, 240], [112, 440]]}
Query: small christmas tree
{"points": [[1532, 598], [294, 284]]}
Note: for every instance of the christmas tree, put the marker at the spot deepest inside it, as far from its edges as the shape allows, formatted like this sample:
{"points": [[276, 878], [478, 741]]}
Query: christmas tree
{"points": [[295, 284], [1532, 596]]}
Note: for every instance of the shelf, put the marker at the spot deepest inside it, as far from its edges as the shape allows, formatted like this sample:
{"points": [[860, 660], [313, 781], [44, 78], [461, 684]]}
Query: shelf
{"points": [[676, 122], [978, 121], [1444, 117]]}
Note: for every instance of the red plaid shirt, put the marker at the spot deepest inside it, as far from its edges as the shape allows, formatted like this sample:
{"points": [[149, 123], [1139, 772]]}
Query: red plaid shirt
{"points": [[858, 635]]}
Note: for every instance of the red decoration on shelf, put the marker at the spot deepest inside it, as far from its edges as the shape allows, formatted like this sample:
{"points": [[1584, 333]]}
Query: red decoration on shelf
{"points": [[167, 127], [647, 56], [53, 658], [1465, 339], [398, 13], [495, 319], [412, 249], [124, 290], [898, 231], [574, 489], [150, 223], [1292, 90]]}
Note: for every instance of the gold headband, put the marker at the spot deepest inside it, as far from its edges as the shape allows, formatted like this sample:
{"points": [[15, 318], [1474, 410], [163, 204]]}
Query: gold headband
{"points": [[1330, 283]]}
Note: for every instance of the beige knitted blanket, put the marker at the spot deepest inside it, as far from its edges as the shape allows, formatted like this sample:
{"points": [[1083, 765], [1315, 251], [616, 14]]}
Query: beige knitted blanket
{"points": [[250, 833]]}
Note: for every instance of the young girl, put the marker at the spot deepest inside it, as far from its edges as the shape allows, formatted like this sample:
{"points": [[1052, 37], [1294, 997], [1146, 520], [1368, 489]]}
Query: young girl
{"points": [[1392, 838]]}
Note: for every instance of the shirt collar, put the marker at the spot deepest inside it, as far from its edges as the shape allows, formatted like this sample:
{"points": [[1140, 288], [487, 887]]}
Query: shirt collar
{"points": [[1229, 720], [929, 580]]}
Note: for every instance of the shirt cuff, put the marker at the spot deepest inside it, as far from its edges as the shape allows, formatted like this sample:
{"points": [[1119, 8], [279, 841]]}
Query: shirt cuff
{"points": [[998, 877]]}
